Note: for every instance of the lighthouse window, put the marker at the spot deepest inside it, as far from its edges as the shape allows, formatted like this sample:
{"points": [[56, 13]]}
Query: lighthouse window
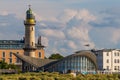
{"points": [[32, 43], [39, 54], [32, 28]]}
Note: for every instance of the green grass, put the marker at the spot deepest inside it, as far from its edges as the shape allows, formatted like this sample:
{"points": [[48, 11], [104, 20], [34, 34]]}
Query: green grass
{"points": [[57, 76]]}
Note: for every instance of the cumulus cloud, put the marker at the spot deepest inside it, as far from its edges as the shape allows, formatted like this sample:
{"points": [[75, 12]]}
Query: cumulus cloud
{"points": [[4, 13], [45, 41], [78, 28], [72, 45], [70, 32], [115, 36], [67, 15], [53, 33]]}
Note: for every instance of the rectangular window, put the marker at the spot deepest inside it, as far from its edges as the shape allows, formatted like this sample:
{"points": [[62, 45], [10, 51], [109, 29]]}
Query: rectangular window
{"points": [[115, 67], [39, 54], [115, 53], [10, 60], [115, 61], [10, 54], [107, 67], [107, 53], [118, 67], [107, 61], [118, 54], [3, 54]]}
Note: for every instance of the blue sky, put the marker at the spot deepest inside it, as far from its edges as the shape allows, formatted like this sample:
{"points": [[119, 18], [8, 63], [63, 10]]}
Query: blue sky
{"points": [[65, 25]]}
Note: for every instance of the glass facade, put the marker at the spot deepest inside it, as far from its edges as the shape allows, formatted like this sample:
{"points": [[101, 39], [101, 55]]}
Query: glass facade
{"points": [[78, 64], [11, 44]]}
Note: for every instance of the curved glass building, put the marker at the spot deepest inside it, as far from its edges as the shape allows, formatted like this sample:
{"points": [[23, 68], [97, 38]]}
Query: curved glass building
{"points": [[80, 62]]}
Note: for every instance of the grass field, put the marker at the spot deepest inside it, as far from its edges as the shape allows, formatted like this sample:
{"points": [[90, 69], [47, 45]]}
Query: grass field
{"points": [[57, 76]]}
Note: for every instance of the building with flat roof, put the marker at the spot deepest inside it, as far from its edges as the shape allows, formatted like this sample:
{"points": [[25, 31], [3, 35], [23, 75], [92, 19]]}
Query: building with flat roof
{"points": [[7, 47], [108, 60]]}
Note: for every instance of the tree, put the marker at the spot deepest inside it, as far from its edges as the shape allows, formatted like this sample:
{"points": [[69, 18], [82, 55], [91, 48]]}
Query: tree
{"points": [[4, 65], [55, 56]]}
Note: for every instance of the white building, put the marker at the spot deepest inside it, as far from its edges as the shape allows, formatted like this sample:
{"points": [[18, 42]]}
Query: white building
{"points": [[108, 60]]}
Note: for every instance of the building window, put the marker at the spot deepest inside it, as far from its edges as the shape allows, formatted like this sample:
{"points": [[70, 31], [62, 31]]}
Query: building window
{"points": [[107, 54], [107, 67], [3, 54], [115, 67], [115, 53], [10, 54], [118, 67], [32, 43], [107, 61], [32, 28], [118, 54], [10, 60], [115, 61], [39, 54]]}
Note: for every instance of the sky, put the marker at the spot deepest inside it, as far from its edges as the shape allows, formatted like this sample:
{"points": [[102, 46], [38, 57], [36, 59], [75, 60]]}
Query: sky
{"points": [[66, 26]]}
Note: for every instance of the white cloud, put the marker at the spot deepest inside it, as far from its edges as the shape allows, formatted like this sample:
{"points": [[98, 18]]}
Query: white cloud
{"points": [[4, 13], [115, 35], [67, 15], [73, 36], [53, 33], [85, 15], [78, 28], [72, 45], [45, 41]]}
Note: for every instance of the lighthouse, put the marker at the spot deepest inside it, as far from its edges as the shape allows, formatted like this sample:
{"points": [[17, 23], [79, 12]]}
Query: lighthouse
{"points": [[29, 22]]}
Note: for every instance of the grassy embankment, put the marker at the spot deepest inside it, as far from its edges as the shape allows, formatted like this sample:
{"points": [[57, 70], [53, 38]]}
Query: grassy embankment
{"points": [[57, 76]]}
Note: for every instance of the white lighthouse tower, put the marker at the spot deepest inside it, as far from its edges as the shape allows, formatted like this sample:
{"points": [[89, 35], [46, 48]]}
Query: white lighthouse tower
{"points": [[29, 49]]}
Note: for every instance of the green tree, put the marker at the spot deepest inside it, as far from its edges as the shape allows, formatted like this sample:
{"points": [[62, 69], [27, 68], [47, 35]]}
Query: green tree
{"points": [[4, 65], [55, 56]]}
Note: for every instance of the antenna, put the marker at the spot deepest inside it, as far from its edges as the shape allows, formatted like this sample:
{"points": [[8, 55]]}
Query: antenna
{"points": [[29, 6]]}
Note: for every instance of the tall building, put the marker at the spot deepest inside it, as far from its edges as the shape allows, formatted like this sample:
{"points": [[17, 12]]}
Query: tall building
{"points": [[29, 23], [27, 46], [108, 60]]}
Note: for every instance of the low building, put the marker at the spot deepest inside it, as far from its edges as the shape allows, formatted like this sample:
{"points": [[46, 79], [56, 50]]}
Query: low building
{"points": [[108, 60], [79, 62], [7, 47]]}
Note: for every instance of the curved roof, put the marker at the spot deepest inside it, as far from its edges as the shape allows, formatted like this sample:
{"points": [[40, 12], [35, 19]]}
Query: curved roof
{"points": [[44, 62], [36, 62], [85, 53]]}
